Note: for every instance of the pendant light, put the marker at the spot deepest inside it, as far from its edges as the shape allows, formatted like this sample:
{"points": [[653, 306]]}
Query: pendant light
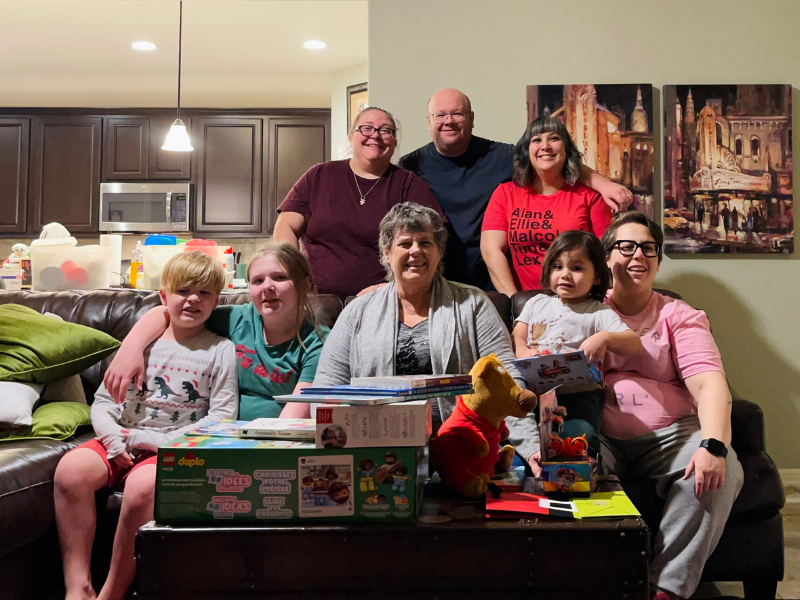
{"points": [[178, 138]]}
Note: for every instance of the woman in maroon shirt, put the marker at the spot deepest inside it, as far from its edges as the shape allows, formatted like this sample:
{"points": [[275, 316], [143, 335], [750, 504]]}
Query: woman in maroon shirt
{"points": [[336, 207]]}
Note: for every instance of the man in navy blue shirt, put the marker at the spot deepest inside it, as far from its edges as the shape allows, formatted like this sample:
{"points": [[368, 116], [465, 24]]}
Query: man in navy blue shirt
{"points": [[463, 170]]}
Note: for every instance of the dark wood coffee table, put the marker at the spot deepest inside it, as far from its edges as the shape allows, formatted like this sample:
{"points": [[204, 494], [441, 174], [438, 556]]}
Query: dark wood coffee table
{"points": [[451, 551]]}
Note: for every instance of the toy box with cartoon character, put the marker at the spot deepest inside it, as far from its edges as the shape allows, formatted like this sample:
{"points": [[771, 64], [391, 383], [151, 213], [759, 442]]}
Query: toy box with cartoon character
{"points": [[567, 470], [400, 424], [224, 479], [570, 370]]}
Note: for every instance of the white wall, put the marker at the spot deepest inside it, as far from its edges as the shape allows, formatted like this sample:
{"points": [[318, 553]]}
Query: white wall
{"points": [[339, 81], [153, 91], [492, 50]]}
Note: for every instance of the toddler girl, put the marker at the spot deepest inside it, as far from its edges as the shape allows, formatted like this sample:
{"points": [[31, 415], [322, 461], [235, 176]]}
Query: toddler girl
{"points": [[575, 318]]}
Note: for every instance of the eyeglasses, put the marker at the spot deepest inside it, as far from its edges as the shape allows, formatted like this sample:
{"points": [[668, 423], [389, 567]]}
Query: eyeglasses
{"points": [[367, 131], [442, 117], [629, 247]]}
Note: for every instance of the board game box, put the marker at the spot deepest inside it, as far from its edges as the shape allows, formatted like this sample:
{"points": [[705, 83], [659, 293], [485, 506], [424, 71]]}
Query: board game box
{"points": [[224, 480]]}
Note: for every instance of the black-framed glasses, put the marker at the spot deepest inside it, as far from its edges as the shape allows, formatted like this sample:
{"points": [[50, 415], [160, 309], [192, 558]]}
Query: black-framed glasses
{"points": [[367, 131], [442, 117], [628, 248]]}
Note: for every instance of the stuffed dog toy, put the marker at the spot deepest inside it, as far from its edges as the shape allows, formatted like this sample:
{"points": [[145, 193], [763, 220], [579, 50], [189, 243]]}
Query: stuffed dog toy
{"points": [[466, 451]]}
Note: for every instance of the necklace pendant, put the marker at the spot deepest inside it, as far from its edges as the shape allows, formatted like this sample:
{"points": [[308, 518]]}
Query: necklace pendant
{"points": [[362, 201]]}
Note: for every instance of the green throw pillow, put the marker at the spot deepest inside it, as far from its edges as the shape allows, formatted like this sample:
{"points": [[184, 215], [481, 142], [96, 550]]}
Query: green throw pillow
{"points": [[57, 421], [39, 349]]}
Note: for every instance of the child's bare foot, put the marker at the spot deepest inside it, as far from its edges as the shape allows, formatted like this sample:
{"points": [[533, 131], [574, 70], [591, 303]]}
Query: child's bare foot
{"points": [[86, 592]]}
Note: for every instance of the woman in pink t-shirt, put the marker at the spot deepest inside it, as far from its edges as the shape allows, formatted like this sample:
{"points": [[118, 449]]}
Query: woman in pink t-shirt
{"points": [[667, 415], [525, 215]]}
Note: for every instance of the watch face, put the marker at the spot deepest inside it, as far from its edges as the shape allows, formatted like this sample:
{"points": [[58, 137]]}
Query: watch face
{"points": [[715, 447]]}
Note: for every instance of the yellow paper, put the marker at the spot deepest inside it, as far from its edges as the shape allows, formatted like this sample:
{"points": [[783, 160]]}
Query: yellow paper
{"points": [[604, 505]]}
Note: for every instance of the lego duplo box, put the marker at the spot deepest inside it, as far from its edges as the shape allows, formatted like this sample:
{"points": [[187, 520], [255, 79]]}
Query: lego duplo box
{"points": [[399, 424], [224, 479]]}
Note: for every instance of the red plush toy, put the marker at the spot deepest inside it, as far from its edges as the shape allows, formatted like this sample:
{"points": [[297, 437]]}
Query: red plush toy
{"points": [[466, 451]]}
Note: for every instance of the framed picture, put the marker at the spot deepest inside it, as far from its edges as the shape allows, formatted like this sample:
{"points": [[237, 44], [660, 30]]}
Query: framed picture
{"points": [[728, 169], [356, 101], [612, 127]]}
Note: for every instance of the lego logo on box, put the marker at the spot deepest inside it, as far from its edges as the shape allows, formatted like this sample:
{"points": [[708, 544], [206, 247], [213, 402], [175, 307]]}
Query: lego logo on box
{"points": [[169, 459], [324, 415]]}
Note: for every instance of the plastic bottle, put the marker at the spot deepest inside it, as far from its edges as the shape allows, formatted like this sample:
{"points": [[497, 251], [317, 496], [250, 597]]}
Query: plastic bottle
{"points": [[136, 266]]}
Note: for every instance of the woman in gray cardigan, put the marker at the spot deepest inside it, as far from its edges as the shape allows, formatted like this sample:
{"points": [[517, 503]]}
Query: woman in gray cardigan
{"points": [[420, 322]]}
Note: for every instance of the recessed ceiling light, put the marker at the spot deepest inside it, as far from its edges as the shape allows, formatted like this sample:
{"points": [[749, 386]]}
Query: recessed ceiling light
{"points": [[143, 46], [314, 45]]}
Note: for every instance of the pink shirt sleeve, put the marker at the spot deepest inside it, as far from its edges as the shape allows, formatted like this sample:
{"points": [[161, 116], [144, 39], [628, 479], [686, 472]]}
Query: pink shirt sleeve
{"points": [[692, 345], [496, 216]]}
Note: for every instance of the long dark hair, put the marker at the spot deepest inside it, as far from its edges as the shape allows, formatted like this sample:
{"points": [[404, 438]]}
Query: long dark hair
{"points": [[588, 243]]}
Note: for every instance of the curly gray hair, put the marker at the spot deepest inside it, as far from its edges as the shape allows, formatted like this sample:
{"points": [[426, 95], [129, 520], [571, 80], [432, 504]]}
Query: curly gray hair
{"points": [[410, 216]]}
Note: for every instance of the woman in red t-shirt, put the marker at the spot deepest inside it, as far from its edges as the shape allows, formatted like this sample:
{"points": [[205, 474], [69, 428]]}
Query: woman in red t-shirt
{"points": [[525, 215]]}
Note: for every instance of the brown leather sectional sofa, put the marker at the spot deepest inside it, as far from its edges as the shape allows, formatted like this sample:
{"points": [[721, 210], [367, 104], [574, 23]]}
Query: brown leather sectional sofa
{"points": [[751, 549]]}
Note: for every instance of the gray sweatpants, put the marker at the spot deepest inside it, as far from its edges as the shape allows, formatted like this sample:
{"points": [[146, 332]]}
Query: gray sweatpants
{"points": [[690, 527]]}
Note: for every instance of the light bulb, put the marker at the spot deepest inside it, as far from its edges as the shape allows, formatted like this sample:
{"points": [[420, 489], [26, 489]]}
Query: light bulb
{"points": [[177, 138]]}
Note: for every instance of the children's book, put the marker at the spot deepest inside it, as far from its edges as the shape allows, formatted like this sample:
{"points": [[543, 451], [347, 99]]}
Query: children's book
{"points": [[225, 428], [275, 428], [516, 505], [353, 399], [408, 382], [569, 370], [416, 393]]}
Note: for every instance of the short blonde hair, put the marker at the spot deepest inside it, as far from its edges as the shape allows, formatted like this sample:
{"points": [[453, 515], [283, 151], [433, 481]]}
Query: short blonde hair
{"points": [[192, 268]]}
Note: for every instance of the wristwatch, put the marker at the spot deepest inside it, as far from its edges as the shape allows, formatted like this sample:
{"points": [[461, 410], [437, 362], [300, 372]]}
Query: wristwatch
{"points": [[715, 447]]}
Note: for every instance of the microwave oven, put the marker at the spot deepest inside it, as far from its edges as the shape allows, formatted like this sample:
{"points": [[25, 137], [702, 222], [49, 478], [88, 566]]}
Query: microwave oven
{"points": [[145, 207]]}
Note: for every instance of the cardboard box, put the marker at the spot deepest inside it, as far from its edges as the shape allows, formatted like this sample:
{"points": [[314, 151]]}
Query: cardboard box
{"points": [[224, 479], [406, 424]]}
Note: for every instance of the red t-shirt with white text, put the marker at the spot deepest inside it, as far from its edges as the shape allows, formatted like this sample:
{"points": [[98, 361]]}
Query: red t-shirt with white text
{"points": [[533, 221]]}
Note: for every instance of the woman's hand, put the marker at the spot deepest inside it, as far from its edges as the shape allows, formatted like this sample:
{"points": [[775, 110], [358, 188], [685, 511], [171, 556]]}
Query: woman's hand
{"points": [[127, 367], [709, 471], [534, 461], [595, 348]]}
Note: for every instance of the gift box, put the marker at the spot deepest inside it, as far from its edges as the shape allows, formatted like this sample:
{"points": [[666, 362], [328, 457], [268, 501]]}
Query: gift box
{"points": [[224, 479], [400, 424]]}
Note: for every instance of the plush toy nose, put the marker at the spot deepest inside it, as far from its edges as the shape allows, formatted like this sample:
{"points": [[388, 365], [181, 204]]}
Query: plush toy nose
{"points": [[527, 400]]}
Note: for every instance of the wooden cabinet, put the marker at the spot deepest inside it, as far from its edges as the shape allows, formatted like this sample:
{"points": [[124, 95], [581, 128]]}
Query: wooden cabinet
{"points": [[65, 172], [228, 194], [125, 147], [14, 147], [132, 151], [295, 145]]}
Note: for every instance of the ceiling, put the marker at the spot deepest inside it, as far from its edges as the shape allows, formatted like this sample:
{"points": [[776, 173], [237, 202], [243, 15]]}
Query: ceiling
{"points": [[222, 40]]}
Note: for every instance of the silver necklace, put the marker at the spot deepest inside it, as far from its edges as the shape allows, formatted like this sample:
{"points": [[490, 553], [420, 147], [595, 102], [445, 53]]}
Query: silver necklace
{"points": [[364, 196]]}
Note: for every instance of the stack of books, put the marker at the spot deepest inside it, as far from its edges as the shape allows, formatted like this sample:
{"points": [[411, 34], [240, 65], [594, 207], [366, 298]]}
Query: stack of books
{"points": [[378, 411]]}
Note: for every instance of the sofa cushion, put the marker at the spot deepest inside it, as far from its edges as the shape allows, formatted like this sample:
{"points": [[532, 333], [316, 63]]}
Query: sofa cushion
{"points": [[16, 403], [38, 349], [26, 488], [56, 421]]}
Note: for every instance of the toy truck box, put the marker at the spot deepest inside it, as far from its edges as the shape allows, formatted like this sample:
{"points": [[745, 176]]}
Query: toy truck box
{"points": [[224, 480], [400, 424]]}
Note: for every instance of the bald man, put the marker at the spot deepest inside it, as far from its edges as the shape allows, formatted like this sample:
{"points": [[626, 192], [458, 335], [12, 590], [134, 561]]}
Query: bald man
{"points": [[463, 170]]}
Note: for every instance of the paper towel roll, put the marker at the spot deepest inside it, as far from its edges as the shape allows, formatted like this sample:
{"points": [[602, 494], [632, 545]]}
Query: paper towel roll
{"points": [[113, 242]]}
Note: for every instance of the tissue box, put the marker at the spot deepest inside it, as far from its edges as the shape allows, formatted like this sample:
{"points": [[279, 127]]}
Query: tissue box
{"points": [[70, 267]]}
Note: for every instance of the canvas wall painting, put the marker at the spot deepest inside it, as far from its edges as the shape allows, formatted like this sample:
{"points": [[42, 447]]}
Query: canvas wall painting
{"points": [[728, 169], [612, 126]]}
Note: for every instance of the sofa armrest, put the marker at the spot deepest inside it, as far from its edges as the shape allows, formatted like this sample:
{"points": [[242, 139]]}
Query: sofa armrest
{"points": [[747, 427]]}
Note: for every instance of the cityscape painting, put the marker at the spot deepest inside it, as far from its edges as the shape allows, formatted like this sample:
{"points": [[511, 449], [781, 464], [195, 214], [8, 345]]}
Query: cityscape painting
{"points": [[728, 169], [612, 126]]}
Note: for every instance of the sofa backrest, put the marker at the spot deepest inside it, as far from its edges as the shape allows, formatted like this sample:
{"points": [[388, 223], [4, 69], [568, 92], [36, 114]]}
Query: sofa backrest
{"points": [[115, 311]]}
